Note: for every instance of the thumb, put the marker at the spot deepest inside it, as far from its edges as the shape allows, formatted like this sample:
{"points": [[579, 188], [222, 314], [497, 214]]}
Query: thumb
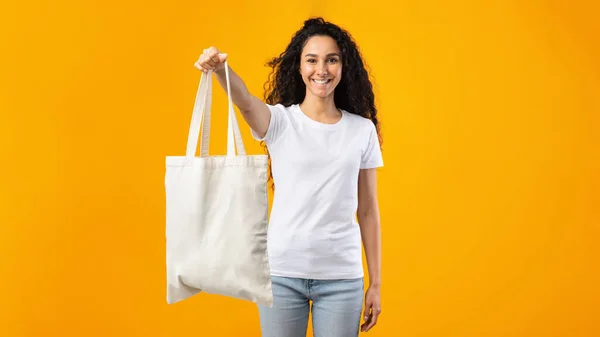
{"points": [[222, 57]]}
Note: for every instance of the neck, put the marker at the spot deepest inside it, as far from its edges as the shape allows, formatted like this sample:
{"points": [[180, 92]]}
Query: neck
{"points": [[319, 107]]}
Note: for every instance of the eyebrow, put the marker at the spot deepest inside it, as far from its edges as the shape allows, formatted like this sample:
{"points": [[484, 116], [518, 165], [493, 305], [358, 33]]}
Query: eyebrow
{"points": [[330, 54]]}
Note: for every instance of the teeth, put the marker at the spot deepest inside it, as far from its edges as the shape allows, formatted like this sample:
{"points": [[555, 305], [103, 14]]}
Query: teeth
{"points": [[320, 81]]}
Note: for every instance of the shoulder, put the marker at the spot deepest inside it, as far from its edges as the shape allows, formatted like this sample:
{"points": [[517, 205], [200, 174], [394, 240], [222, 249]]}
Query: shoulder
{"points": [[358, 122], [279, 108], [282, 111]]}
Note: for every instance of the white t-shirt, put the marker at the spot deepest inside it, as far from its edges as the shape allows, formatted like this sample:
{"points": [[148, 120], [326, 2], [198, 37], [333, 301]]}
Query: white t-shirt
{"points": [[313, 232]]}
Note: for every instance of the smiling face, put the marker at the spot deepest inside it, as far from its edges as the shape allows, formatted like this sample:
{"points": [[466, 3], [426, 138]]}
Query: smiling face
{"points": [[321, 66]]}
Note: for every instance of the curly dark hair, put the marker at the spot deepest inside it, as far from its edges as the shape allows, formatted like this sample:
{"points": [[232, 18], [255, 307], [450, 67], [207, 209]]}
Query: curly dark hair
{"points": [[354, 92]]}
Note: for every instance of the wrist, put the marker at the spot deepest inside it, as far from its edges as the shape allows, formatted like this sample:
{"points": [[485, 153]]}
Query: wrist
{"points": [[375, 284], [220, 71]]}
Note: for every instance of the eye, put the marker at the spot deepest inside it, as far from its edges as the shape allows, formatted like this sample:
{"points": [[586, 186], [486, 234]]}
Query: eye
{"points": [[311, 60], [332, 60]]}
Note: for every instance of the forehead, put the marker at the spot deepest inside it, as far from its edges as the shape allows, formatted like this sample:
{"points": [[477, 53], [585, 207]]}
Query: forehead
{"points": [[320, 45]]}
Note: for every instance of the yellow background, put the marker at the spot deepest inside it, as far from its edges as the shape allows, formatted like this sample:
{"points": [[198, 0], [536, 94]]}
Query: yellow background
{"points": [[489, 198]]}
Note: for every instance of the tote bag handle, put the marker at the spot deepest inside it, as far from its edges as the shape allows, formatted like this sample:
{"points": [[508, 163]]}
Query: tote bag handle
{"points": [[201, 116]]}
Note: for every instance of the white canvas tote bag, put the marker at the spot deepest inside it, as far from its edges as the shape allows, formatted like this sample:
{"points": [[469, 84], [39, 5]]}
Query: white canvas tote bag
{"points": [[216, 214]]}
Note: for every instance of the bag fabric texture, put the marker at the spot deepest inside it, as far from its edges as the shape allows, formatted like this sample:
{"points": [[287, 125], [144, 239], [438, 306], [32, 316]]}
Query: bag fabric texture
{"points": [[216, 213]]}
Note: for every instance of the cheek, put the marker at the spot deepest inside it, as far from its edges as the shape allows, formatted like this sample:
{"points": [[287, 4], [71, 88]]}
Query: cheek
{"points": [[305, 68], [338, 71], [305, 72]]}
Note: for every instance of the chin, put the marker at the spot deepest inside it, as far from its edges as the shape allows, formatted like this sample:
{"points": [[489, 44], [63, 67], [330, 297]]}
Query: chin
{"points": [[322, 94]]}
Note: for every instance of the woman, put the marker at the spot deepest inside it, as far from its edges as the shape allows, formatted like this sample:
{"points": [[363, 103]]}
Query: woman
{"points": [[320, 126]]}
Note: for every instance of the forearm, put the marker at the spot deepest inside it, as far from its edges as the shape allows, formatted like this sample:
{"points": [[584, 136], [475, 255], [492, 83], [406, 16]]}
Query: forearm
{"points": [[371, 236], [240, 95]]}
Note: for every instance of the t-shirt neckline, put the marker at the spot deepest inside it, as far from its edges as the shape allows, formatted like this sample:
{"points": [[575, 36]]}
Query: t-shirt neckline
{"points": [[317, 123]]}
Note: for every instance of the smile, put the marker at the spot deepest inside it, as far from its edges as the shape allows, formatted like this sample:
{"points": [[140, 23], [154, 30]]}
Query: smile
{"points": [[321, 82]]}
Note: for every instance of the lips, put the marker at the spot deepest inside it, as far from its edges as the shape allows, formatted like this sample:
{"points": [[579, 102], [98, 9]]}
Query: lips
{"points": [[321, 82]]}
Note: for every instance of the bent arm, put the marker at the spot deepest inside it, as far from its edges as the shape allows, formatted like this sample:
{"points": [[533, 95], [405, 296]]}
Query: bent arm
{"points": [[255, 112]]}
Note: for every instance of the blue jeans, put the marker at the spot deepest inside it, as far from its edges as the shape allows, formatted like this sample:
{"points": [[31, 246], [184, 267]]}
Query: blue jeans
{"points": [[336, 307]]}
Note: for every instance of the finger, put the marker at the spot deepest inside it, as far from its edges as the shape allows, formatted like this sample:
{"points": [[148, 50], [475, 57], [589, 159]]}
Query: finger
{"points": [[373, 319], [367, 322], [214, 57], [208, 61], [205, 60], [202, 60], [212, 50], [199, 66], [368, 308], [367, 315], [213, 54]]}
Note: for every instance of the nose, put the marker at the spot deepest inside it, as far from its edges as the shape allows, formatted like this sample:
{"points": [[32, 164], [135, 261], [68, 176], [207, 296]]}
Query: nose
{"points": [[322, 69]]}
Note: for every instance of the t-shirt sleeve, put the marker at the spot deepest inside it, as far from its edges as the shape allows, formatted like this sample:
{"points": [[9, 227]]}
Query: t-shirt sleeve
{"points": [[371, 156], [277, 124]]}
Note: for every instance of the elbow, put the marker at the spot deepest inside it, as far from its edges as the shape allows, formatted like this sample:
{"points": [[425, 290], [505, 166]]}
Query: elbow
{"points": [[368, 216]]}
